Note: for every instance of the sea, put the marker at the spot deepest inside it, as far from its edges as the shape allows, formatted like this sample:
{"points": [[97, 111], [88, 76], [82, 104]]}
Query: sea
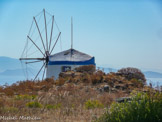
{"points": [[8, 80], [156, 82]]}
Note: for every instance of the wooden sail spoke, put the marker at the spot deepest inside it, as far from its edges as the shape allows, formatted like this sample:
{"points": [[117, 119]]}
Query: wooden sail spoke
{"points": [[55, 43], [39, 71], [32, 59]]}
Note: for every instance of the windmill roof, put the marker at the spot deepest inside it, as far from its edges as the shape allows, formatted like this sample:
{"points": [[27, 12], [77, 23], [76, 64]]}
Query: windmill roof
{"points": [[70, 55]]}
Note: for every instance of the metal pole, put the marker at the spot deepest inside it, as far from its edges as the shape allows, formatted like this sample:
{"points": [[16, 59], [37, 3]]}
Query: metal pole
{"points": [[71, 33]]}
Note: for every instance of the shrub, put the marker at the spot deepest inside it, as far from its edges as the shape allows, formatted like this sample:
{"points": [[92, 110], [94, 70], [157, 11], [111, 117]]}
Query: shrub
{"points": [[25, 97], [97, 77], [34, 105], [56, 106], [60, 81], [27, 87], [91, 104], [49, 106], [132, 73], [9, 91], [144, 107], [86, 68], [136, 82], [86, 78]]}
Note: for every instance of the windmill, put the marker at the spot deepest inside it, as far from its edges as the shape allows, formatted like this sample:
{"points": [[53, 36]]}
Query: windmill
{"points": [[43, 46], [40, 44]]}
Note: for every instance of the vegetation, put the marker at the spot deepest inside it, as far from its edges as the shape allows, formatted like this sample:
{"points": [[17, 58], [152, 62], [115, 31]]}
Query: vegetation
{"points": [[89, 69], [56, 106], [34, 104], [132, 73], [144, 107], [25, 97], [25, 88], [81, 96], [91, 104]]}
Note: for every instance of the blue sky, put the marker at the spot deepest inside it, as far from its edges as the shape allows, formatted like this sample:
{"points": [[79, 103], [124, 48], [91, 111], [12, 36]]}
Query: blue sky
{"points": [[118, 33]]}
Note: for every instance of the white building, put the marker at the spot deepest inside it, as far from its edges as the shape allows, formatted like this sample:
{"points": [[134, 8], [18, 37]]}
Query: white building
{"points": [[67, 60]]}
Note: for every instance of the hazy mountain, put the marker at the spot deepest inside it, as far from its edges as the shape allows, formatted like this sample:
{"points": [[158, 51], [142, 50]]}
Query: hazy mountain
{"points": [[148, 74], [9, 63], [151, 74], [18, 72], [13, 72]]}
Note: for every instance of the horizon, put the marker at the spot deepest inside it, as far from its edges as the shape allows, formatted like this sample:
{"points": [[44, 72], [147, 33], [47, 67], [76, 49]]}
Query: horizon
{"points": [[118, 34], [105, 67]]}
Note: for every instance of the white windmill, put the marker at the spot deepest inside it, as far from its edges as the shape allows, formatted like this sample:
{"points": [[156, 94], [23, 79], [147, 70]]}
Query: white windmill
{"points": [[56, 63]]}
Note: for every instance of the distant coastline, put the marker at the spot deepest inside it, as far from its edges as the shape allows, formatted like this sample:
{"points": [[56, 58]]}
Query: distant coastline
{"points": [[11, 71]]}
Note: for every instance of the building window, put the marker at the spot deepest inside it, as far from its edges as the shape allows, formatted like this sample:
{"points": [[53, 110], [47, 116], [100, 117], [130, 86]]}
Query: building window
{"points": [[66, 68]]}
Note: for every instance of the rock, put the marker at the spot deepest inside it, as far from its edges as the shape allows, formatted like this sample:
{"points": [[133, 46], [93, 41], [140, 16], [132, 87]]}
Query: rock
{"points": [[68, 81], [117, 87], [15, 94], [43, 87], [87, 89], [111, 83], [101, 89], [106, 88], [130, 84], [120, 81], [114, 90], [123, 99], [121, 86]]}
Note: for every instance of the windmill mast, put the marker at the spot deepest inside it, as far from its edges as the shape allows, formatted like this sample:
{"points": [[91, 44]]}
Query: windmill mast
{"points": [[71, 33]]}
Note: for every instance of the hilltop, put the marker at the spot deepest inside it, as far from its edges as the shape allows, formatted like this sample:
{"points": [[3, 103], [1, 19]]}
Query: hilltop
{"points": [[76, 96]]}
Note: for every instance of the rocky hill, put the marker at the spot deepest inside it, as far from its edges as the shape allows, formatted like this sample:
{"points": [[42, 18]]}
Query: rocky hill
{"points": [[80, 95]]}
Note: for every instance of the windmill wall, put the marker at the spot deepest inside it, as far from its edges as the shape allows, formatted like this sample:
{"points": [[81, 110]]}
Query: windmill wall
{"points": [[67, 60]]}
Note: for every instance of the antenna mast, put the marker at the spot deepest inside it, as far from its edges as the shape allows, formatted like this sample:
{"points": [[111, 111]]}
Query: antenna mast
{"points": [[71, 33]]}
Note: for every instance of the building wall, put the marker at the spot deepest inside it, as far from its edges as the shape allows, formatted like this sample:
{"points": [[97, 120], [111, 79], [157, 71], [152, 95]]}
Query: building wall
{"points": [[55, 70]]}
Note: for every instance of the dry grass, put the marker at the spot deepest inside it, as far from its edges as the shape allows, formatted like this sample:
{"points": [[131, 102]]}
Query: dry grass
{"points": [[65, 99]]}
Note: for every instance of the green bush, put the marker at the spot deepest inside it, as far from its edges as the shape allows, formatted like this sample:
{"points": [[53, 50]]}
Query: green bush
{"points": [[34, 105], [144, 107], [56, 106], [91, 104], [25, 97]]}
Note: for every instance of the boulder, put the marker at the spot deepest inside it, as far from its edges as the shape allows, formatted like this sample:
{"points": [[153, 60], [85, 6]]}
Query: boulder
{"points": [[120, 86], [106, 88], [123, 99]]}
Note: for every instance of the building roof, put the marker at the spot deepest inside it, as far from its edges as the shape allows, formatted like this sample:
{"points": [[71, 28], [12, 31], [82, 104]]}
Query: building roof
{"points": [[70, 55]]}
